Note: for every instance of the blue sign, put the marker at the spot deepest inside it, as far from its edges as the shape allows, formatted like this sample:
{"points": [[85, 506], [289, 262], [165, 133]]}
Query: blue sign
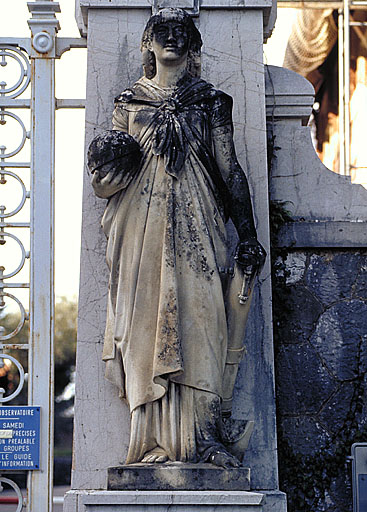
{"points": [[19, 437]]}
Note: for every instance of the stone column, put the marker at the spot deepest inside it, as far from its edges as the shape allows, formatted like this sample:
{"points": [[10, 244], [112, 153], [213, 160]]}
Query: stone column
{"points": [[233, 32]]}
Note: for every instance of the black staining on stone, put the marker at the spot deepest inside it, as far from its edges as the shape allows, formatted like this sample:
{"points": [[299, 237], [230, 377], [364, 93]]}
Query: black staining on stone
{"points": [[303, 310], [320, 336], [170, 351], [179, 125], [359, 288], [146, 188], [332, 278], [240, 208], [306, 382], [170, 245], [114, 150], [232, 429], [178, 16], [144, 117], [124, 97], [184, 200], [180, 131], [335, 414], [195, 252], [302, 432], [208, 418], [240, 211], [172, 477], [185, 231]]}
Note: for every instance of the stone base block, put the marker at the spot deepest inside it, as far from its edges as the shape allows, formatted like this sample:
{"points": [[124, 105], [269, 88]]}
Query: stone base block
{"points": [[160, 501], [274, 501], [177, 477]]}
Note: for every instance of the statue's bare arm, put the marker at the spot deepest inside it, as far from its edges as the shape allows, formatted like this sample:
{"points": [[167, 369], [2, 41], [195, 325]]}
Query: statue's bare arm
{"points": [[240, 207]]}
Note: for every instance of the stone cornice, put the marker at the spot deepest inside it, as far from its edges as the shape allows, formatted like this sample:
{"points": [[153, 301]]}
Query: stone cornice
{"points": [[269, 7]]}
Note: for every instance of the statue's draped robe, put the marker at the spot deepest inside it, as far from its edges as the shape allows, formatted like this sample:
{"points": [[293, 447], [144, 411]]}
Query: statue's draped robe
{"points": [[166, 334]]}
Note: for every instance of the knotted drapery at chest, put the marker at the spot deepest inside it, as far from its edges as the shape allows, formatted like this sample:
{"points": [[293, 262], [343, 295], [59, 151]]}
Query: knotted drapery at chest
{"points": [[171, 132], [169, 138]]}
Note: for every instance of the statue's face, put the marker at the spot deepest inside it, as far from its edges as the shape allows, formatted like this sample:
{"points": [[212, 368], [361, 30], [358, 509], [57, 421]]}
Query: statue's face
{"points": [[170, 42]]}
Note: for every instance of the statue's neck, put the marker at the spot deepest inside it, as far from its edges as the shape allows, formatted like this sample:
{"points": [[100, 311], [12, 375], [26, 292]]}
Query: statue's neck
{"points": [[169, 76]]}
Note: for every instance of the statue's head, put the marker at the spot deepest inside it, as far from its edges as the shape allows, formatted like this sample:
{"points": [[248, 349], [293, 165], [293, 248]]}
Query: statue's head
{"points": [[165, 16]]}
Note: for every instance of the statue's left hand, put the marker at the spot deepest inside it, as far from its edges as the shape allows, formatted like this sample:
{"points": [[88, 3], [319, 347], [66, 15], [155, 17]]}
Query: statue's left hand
{"points": [[108, 185], [250, 253]]}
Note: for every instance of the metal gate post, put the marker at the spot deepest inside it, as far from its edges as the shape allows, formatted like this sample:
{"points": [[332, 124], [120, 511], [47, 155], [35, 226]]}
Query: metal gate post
{"points": [[44, 26]]}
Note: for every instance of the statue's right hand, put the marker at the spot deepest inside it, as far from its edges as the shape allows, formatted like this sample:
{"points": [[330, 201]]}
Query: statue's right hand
{"points": [[250, 253], [108, 185]]}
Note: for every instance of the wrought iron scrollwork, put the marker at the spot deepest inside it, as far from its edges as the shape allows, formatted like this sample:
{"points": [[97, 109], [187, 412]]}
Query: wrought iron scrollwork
{"points": [[15, 487], [8, 95], [21, 84]]}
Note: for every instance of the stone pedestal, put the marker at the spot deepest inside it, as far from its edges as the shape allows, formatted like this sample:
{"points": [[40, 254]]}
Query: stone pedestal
{"points": [[177, 477], [161, 501]]}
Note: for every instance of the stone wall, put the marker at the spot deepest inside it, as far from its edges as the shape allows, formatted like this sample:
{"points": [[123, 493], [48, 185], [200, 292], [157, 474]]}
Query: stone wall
{"points": [[319, 267], [320, 336]]}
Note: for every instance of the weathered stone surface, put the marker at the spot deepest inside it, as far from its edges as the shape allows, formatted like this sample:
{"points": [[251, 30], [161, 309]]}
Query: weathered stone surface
{"points": [[340, 493], [176, 476], [359, 288], [321, 439], [302, 311], [296, 266], [303, 383], [323, 234], [304, 436], [342, 407], [341, 339], [330, 276], [174, 501]]}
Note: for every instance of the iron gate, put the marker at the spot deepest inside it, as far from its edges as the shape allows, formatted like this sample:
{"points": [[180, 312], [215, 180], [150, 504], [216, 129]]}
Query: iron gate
{"points": [[35, 58]]}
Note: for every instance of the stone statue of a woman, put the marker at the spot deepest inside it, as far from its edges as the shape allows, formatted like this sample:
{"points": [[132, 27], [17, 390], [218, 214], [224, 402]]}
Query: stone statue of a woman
{"points": [[166, 340]]}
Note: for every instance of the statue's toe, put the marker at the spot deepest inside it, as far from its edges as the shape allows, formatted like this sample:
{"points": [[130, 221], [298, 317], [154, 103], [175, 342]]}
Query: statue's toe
{"points": [[161, 458], [157, 455]]}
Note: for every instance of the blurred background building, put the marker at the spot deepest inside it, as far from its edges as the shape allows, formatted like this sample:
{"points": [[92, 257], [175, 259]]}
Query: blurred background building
{"points": [[328, 46]]}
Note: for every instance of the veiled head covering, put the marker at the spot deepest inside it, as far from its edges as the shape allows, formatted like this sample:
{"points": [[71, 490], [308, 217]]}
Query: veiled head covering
{"points": [[195, 42]]}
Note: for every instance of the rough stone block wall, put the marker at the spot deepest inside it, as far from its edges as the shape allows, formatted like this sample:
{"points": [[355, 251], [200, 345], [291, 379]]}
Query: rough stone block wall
{"points": [[320, 330]]}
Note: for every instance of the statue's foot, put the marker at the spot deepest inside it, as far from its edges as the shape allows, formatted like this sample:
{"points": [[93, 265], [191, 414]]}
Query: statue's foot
{"points": [[155, 455], [224, 459]]}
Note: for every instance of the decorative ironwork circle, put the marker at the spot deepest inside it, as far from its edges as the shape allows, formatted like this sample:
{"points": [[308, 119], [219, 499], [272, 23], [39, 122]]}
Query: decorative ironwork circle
{"points": [[17, 491], [24, 195], [21, 321], [25, 70], [21, 378], [20, 266], [24, 135]]}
